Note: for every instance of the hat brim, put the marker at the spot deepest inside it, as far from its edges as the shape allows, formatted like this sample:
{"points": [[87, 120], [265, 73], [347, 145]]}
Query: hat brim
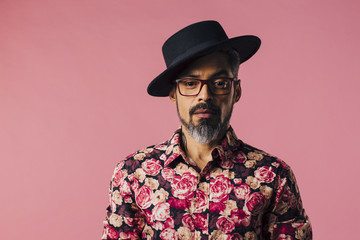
{"points": [[246, 46]]}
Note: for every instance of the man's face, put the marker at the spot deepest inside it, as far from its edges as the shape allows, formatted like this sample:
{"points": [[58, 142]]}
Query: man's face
{"points": [[206, 116]]}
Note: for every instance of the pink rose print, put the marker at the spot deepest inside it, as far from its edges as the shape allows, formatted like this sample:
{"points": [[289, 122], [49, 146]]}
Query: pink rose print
{"points": [[129, 221], [255, 203], [131, 177], [284, 237], [179, 203], [225, 224], [241, 157], [275, 164], [242, 192], [144, 196], [188, 222], [237, 181], [148, 214], [200, 221], [239, 217], [235, 236], [168, 174], [171, 158], [161, 211], [265, 174], [220, 187], [127, 199], [170, 223], [112, 233], [118, 178], [175, 139], [124, 188], [169, 234], [282, 231], [128, 235], [184, 187], [161, 147], [201, 201], [157, 225], [217, 207], [151, 166], [135, 185]]}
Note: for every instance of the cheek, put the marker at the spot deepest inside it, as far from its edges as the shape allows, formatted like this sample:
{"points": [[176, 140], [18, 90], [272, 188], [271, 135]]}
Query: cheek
{"points": [[226, 108], [183, 108]]}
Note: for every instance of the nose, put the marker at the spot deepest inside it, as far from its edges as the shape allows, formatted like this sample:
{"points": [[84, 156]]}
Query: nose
{"points": [[204, 94]]}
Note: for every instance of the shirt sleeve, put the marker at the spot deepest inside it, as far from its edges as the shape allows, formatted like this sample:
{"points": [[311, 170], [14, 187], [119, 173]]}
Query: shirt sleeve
{"points": [[123, 219], [287, 218]]}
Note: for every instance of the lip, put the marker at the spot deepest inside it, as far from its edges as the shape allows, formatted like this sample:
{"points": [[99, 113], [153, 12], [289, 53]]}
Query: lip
{"points": [[202, 110], [204, 113]]}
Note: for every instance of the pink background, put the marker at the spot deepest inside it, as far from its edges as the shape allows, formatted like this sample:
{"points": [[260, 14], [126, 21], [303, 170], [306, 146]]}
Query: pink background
{"points": [[73, 78]]}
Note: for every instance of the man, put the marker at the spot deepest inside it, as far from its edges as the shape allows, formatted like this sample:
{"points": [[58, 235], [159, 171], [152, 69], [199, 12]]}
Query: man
{"points": [[204, 183]]}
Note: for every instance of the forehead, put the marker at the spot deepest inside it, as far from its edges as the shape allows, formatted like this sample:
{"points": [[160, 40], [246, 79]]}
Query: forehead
{"points": [[208, 65]]}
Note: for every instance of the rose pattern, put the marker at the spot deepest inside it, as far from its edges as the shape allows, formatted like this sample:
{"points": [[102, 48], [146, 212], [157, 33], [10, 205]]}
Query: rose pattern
{"points": [[158, 193], [242, 191], [144, 196], [239, 217], [124, 188], [220, 187], [255, 203], [217, 207], [184, 186], [112, 233], [225, 224], [170, 223], [168, 173], [188, 221], [118, 177], [151, 167], [201, 201], [200, 221], [265, 174], [161, 212], [168, 234]]}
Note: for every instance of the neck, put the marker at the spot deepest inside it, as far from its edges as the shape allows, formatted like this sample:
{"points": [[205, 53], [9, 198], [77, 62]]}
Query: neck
{"points": [[200, 153]]}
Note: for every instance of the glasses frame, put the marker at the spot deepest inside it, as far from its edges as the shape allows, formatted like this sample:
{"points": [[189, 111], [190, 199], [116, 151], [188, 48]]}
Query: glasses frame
{"points": [[203, 82]]}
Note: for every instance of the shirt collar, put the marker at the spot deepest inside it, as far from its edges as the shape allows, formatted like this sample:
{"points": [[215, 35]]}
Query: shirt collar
{"points": [[225, 151]]}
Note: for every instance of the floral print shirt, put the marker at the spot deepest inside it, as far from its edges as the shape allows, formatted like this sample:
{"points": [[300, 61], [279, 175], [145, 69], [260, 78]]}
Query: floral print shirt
{"points": [[244, 193]]}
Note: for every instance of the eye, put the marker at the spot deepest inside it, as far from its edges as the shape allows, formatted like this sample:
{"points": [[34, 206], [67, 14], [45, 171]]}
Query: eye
{"points": [[189, 83], [221, 83]]}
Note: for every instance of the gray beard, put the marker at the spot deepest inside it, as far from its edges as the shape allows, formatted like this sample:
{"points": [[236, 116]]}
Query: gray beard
{"points": [[206, 131]]}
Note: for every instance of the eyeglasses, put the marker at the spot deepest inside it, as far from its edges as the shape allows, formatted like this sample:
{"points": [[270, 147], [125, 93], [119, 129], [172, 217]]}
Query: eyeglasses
{"points": [[193, 86]]}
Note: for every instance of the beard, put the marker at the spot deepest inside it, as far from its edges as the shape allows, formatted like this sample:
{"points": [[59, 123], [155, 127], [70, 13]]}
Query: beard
{"points": [[208, 130]]}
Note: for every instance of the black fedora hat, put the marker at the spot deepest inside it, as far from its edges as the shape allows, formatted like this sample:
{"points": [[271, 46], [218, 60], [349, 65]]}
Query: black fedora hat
{"points": [[192, 42]]}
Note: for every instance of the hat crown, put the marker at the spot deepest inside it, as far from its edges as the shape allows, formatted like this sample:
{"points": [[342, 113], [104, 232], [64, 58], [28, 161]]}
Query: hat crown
{"points": [[199, 35], [192, 42]]}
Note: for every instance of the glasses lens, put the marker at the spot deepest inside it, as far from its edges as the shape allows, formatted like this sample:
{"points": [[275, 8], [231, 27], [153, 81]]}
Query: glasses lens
{"points": [[189, 86], [192, 87], [220, 85]]}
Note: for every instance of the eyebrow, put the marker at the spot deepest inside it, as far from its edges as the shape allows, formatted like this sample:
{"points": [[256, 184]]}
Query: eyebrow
{"points": [[216, 74]]}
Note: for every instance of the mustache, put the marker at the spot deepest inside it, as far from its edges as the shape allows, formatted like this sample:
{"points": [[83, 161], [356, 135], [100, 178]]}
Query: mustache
{"points": [[207, 106]]}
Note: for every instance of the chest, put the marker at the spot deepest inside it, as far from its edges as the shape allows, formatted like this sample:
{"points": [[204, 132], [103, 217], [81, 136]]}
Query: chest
{"points": [[181, 201]]}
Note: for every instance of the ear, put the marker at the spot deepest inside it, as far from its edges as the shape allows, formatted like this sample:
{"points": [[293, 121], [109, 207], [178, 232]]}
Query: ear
{"points": [[172, 95], [237, 91]]}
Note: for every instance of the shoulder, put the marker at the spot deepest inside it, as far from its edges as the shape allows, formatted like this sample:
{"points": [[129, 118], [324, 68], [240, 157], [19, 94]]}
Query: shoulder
{"points": [[153, 153], [153, 156], [144, 161], [263, 160]]}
